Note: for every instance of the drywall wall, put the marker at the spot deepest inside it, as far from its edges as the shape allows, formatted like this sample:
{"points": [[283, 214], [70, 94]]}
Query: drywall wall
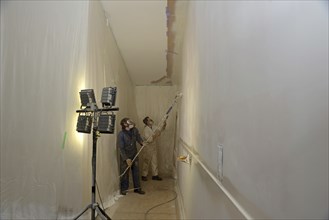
{"points": [[49, 52], [255, 80], [43, 57], [107, 68], [154, 102]]}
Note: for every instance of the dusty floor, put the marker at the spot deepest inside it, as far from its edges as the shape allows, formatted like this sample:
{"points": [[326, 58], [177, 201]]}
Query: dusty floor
{"points": [[159, 202]]}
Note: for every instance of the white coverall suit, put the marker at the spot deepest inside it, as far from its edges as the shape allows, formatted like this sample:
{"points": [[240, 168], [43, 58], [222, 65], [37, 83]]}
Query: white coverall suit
{"points": [[150, 152]]}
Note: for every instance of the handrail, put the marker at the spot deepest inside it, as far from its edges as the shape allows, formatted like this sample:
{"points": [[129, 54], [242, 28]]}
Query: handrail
{"points": [[219, 184]]}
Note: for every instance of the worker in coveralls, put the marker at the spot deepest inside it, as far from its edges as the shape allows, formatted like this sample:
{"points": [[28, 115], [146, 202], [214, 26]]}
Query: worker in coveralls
{"points": [[150, 152], [126, 142]]}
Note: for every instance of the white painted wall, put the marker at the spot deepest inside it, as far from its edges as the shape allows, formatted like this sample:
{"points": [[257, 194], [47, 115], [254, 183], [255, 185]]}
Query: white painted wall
{"points": [[255, 79], [50, 50]]}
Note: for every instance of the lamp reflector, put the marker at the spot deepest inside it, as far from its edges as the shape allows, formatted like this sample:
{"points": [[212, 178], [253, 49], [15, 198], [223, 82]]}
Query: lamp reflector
{"points": [[87, 96], [84, 124], [109, 96], [106, 124]]}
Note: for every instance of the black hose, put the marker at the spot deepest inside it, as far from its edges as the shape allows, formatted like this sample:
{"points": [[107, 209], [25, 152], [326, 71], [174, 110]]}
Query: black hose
{"points": [[160, 204]]}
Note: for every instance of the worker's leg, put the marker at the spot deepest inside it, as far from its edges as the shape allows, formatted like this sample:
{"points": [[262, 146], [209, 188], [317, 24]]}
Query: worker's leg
{"points": [[124, 181], [154, 164]]}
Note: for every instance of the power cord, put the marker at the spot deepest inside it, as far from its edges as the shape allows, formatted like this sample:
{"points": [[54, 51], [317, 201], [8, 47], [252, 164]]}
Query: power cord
{"points": [[160, 204]]}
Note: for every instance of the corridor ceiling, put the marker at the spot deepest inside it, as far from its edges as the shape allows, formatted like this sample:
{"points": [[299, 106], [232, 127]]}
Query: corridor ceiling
{"points": [[140, 29]]}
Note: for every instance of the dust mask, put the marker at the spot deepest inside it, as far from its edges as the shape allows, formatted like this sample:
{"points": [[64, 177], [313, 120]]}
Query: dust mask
{"points": [[130, 125]]}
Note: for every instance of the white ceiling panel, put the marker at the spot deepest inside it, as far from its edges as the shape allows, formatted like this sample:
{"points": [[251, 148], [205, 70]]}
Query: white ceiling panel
{"points": [[140, 30]]}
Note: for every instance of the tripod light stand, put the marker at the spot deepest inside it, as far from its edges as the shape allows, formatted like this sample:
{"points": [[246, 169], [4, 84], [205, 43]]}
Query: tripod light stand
{"points": [[101, 122]]}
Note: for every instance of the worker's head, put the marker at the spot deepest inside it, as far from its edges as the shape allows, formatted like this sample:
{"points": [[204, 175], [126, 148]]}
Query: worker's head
{"points": [[127, 124], [148, 121]]}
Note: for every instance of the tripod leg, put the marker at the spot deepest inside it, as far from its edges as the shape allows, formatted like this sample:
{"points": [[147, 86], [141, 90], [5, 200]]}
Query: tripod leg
{"points": [[89, 206], [102, 213]]}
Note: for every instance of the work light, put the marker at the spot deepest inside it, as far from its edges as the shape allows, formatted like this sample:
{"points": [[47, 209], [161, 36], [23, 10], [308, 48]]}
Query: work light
{"points": [[109, 96], [87, 97]]}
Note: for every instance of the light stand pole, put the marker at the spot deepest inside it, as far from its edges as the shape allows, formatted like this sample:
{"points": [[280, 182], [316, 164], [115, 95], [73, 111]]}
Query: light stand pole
{"points": [[94, 110]]}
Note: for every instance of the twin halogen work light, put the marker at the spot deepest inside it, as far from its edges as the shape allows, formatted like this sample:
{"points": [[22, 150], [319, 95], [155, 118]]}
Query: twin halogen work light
{"points": [[90, 115]]}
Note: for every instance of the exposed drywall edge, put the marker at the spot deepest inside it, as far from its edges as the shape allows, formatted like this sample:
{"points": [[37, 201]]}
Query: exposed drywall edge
{"points": [[218, 183], [180, 211]]}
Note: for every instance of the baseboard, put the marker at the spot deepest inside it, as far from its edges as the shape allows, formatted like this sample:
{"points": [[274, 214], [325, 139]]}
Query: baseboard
{"points": [[180, 211]]}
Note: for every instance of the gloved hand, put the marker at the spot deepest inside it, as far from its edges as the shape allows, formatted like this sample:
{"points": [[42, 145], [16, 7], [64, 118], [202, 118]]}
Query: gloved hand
{"points": [[157, 133], [164, 125], [129, 162]]}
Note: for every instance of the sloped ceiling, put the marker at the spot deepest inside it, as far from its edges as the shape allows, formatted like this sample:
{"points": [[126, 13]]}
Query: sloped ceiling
{"points": [[140, 29]]}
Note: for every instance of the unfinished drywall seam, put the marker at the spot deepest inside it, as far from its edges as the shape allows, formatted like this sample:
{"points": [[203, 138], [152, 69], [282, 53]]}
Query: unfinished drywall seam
{"points": [[170, 14]]}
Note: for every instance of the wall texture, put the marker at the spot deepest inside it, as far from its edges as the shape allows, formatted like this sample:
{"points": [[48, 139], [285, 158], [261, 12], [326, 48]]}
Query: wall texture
{"points": [[49, 52], [255, 80]]}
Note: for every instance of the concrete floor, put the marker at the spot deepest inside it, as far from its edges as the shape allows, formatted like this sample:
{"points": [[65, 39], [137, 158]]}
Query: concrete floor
{"points": [[153, 205]]}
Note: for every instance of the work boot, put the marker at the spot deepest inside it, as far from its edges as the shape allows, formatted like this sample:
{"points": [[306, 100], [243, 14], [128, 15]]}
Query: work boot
{"points": [[144, 178], [123, 192], [156, 178], [139, 191]]}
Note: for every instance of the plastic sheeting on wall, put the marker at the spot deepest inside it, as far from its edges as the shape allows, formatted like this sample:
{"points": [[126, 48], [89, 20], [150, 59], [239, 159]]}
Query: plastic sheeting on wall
{"points": [[255, 81], [50, 51]]}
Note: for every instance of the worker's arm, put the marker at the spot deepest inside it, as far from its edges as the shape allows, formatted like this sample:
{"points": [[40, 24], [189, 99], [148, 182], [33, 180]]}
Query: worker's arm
{"points": [[121, 146], [164, 125], [150, 135]]}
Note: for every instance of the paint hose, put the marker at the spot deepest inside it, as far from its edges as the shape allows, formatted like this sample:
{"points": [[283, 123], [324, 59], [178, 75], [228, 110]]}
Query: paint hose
{"points": [[164, 118]]}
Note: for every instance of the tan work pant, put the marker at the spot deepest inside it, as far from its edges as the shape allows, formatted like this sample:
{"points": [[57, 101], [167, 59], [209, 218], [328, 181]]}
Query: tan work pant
{"points": [[150, 159]]}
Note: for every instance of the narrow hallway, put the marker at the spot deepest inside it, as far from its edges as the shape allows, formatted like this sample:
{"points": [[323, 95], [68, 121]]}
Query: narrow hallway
{"points": [[247, 138]]}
